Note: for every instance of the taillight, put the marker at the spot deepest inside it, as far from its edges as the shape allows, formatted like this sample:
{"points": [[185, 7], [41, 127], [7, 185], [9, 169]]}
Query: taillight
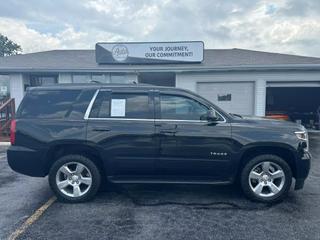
{"points": [[13, 131]]}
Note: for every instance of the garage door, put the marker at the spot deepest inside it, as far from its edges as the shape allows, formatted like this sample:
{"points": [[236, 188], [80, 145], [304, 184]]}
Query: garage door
{"points": [[234, 97]]}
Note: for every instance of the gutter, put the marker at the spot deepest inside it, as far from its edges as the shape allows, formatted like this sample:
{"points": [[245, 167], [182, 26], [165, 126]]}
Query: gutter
{"points": [[165, 68]]}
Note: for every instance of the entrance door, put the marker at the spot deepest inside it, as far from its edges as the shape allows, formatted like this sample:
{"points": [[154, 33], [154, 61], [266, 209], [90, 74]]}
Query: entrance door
{"points": [[190, 147]]}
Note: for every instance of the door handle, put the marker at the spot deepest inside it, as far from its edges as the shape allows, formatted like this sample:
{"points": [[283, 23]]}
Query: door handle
{"points": [[168, 131], [101, 129], [167, 128]]}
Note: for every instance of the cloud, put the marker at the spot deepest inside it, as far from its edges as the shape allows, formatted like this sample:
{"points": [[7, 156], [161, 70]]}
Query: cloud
{"points": [[29, 39], [288, 26], [68, 38]]}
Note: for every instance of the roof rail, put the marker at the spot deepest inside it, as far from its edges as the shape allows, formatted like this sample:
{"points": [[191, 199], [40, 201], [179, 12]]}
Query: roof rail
{"points": [[95, 81], [134, 83]]}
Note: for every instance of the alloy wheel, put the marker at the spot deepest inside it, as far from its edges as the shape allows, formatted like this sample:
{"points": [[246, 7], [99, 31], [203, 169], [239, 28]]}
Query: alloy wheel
{"points": [[74, 179], [266, 179]]}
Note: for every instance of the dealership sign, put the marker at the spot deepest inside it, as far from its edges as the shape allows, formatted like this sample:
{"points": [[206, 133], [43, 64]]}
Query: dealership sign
{"points": [[151, 52]]}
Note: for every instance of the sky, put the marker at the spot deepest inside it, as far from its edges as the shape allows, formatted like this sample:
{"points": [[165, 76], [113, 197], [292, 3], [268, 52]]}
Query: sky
{"points": [[284, 26]]}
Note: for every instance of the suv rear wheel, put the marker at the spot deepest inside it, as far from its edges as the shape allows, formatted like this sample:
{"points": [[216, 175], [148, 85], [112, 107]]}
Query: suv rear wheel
{"points": [[266, 178], [74, 178]]}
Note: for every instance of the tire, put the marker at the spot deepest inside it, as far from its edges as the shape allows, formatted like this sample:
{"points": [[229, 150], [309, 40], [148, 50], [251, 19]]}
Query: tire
{"points": [[267, 186], [74, 179]]}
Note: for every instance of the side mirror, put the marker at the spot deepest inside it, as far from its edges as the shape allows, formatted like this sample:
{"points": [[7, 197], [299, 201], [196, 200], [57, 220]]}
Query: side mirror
{"points": [[212, 115]]}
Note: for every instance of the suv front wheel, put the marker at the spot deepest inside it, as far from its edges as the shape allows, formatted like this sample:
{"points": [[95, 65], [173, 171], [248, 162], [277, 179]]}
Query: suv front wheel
{"points": [[266, 178], [74, 178]]}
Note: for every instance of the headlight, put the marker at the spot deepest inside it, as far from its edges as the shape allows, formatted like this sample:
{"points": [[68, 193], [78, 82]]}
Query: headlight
{"points": [[303, 135]]}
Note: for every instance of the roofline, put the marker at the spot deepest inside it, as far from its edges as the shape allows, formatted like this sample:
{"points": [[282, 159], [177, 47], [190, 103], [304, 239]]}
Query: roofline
{"points": [[170, 69], [205, 50]]}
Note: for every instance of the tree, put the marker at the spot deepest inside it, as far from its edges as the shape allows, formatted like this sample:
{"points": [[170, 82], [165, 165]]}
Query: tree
{"points": [[8, 47]]}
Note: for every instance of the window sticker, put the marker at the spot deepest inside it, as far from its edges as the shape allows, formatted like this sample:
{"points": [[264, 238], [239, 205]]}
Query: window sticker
{"points": [[118, 108]]}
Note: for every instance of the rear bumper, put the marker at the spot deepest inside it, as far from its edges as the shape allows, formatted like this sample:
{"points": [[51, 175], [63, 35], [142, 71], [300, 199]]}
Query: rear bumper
{"points": [[302, 170], [26, 161]]}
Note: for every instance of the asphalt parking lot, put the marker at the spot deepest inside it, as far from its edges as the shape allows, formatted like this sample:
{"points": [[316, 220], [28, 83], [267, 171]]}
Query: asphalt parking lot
{"points": [[159, 211]]}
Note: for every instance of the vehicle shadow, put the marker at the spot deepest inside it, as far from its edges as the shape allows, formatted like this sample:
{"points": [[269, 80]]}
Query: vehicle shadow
{"points": [[193, 196]]}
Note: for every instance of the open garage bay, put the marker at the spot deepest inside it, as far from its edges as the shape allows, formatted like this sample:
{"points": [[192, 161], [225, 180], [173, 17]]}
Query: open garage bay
{"points": [[301, 104]]}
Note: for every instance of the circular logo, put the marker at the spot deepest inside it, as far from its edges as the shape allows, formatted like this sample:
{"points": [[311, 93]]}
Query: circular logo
{"points": [[120, 53]]}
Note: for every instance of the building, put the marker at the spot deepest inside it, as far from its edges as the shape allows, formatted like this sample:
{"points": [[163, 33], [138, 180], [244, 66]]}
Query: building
{"points": [[240, 81]]}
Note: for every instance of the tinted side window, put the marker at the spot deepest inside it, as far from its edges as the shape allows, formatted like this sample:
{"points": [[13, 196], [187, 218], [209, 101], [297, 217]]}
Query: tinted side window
{"points": [[47, 103], [79, 107], [121, 105], [101, 106], [181, 108]]}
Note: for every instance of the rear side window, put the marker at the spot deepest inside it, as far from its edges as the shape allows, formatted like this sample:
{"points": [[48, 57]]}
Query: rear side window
{"points": [[80, 105], [121, 105], [48, 104]]}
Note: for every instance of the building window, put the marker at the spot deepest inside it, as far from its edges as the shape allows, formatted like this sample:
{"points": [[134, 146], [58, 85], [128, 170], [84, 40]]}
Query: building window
{"points": [[122, 78], [167, 79], [118, 78], [81, 78], [38, 80], [4, 88], [102, 78]]}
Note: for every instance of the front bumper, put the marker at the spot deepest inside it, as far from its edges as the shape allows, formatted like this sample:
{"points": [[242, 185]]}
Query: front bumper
{"points": [[26, 161], [302, 170]]}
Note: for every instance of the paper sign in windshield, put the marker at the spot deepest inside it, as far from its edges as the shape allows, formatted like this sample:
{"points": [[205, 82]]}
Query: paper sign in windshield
{"points": [[118, 107]]}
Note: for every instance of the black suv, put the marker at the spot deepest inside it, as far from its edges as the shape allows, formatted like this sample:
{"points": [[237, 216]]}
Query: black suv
{"points": [[81, 134]]}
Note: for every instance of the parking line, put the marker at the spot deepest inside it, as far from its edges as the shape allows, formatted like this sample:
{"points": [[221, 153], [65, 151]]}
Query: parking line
{"points": [[34, 217]]}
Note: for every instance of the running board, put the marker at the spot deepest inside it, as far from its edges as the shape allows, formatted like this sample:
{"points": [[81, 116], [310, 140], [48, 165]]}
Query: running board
{"points": [[168, 181]]}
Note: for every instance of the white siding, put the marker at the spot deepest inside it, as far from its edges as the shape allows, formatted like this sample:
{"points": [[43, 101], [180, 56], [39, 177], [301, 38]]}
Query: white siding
{"points": [[260, 97], [16, 88]]}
